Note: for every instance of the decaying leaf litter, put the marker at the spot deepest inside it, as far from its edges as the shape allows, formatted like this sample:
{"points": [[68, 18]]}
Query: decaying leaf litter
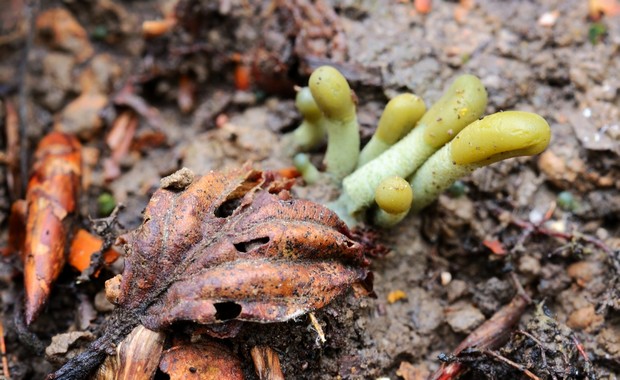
{"points": [[517, 59]]}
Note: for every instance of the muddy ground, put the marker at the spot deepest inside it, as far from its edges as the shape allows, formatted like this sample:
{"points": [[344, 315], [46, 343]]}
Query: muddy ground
{"points": [[547, 57]]}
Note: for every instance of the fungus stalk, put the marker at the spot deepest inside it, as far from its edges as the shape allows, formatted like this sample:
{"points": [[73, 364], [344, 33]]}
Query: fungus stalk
{"points": [[393, 197], [311, 131], [462, 103], [496, 137], [308, 171], [399, 117], [335, 99]]}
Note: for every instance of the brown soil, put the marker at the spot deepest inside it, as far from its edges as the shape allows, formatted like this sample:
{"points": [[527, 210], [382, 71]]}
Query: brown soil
{"points": [[561, 70]]}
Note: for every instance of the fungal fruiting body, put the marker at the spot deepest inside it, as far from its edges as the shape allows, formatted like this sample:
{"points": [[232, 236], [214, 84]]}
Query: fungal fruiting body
{"points": [[398, 118], [334, 97], [308, 171], [494, 138], [311, 131], [393, 197], [462, 103]]}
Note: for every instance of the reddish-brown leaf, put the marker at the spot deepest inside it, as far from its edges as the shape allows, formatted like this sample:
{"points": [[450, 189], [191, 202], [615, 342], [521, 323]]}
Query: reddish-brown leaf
{"points": [[235, 246], [51, 199], [205, 361]]}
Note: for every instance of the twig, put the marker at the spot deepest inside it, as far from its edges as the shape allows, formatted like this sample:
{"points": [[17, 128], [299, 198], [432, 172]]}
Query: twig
{"points": [[530, 227], [12, 131], [517, 366], [580, 348], [5, 361]]}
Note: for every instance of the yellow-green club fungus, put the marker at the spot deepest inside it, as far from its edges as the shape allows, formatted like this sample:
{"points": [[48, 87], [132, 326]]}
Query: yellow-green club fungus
{"points": [[494, 138], [399, 117], [461, 104], [393, 197], [335, 99], [308, 171], [311, 131]]}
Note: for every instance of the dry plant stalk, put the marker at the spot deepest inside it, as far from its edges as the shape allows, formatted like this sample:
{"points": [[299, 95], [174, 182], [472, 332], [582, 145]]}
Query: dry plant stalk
{"points": [[266, 363]]}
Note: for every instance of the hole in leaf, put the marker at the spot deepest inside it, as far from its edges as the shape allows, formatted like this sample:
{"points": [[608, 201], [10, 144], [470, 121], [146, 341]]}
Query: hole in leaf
{"points": [[246, 246], [227, 208], [227, 310]]}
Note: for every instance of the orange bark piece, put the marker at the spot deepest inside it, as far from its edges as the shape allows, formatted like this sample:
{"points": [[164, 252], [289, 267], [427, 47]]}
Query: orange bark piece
{"points": [[51, 199], [204, 361], [495, 246], [242, 77], [83, 247]]}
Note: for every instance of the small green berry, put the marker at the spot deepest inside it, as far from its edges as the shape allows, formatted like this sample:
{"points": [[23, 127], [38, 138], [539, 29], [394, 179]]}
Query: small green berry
{"points": [[566, 201], [106, 204]]}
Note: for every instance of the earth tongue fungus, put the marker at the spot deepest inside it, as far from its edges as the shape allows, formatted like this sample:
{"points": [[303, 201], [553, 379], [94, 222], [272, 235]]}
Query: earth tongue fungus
{"points": [[334, 97], [446, 142], [463, 103], [393, 197], [225, 248], [494, 138], [308, 171], [311, 131], [399, 117]]}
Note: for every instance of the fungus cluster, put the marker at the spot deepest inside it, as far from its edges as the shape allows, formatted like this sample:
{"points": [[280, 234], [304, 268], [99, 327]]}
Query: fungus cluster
{"points": [[415, 153]]}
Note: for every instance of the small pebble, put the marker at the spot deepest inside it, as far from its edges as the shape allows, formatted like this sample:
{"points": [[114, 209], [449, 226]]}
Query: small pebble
{"points": [[464, 317], [446, 278]]}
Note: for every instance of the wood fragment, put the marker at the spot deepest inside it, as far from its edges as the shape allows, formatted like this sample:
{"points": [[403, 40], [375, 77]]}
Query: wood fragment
{"points": [[12, 159], [317, 327], [266, 363], [119, 141]]}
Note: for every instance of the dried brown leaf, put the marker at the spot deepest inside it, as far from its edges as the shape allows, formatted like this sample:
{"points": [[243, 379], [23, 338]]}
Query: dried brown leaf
{"points": [[206, 361], [137, 357], [235, 246]]}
